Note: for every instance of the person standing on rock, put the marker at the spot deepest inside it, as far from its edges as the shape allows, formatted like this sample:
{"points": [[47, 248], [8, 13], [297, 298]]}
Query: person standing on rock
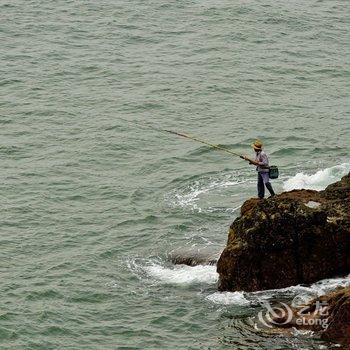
{"points": [[262, 166]]}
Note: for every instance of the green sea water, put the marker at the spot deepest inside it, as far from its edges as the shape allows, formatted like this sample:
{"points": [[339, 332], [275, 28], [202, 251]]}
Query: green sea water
{"points": [[92, 205]]}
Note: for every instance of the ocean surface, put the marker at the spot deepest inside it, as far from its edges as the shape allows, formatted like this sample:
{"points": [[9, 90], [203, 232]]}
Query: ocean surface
{"points": [[93, 201]]}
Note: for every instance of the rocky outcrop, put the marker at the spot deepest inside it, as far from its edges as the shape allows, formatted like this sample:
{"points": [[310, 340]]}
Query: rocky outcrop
{"points": [[194, 256], [328, 314], [296, 237]]}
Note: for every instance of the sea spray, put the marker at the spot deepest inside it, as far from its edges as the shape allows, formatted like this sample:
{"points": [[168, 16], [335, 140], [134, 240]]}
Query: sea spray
{"points": [[318, 181], [155, 270], [298, 292]]}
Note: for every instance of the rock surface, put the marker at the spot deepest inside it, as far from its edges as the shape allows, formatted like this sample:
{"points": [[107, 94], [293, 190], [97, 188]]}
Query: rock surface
{"points": [[194, 256], [296, 237], [332, 319]]}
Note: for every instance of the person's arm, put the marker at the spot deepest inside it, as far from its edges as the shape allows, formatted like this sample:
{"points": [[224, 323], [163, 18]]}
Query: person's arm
{"points": [[251, 161]]}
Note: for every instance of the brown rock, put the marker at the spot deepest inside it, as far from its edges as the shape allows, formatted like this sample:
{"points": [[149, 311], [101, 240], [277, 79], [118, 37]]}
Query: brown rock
{"points": [[332, 321], [338, 330], [300, 236], [194, 256]]}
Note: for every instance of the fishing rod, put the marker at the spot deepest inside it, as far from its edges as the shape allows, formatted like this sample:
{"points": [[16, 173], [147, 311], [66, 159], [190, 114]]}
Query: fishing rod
{"points": [[273, 169], [193, 138], [202, 141]]}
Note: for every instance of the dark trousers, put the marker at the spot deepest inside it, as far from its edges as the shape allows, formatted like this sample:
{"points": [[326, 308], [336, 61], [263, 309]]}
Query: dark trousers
{"points": [[263, 180]]}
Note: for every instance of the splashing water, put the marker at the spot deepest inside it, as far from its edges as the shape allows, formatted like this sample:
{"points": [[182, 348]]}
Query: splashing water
{"points": [[318, 181], [177, 274], [299, 292]]}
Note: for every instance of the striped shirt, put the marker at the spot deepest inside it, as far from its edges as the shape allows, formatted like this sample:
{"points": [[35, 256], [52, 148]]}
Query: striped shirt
{"points": [[261, 157]]}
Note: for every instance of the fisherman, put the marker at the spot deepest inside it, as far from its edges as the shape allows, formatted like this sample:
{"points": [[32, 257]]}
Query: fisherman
{"points": [[262, 166]]}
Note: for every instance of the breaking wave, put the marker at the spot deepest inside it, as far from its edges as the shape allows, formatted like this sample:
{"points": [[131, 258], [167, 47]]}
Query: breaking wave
{"points": [[176, 274], [299, 293], [228, 298], [154, 270], [184, 274], [190, 195], [318, 181]]}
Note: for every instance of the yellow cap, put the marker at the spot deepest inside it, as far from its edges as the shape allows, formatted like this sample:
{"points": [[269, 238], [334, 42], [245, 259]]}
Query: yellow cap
{"points": [[257, 145]]}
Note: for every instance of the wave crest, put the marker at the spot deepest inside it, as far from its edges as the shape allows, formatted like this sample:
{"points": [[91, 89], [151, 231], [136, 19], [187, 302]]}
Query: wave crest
{"points": [[318, 181]]}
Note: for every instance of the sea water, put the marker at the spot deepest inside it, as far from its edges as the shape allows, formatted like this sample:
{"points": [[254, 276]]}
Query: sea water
{"points": [[92, 204]]}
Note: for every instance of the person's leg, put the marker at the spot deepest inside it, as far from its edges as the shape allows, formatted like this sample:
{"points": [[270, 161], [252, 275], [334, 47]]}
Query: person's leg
{"points": [[261, 187], [269, 187], [267, 183]]}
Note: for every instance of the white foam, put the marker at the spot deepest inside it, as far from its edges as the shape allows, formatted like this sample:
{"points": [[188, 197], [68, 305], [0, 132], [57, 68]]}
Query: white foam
{"points": [[327, 285], [183, 274], [189, 196], [306, 292], [302, 332], [301, 294], [228, 298], [318, 181]]}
